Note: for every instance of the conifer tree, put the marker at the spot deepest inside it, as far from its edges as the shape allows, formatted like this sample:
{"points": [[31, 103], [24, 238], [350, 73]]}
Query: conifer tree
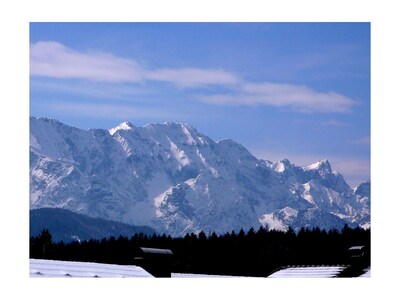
{"points": [[45, 240]]}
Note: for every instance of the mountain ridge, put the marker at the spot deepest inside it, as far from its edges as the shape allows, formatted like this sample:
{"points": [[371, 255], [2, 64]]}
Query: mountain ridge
{"points": [[173, 178]]}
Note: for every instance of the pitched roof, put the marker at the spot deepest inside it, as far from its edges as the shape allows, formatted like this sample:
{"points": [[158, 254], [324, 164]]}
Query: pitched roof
{"points": [[308, 272], [319, 272], [56, 268], [367, 273]]}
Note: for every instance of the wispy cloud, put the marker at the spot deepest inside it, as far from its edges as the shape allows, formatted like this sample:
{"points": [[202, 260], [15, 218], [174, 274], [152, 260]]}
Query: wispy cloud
{"points": [[53, 60], [192, 77], [296, 97], [334, 123]]}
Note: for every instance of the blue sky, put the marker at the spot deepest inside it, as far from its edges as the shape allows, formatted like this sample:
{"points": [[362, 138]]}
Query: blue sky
{"points": [[284, 90]]}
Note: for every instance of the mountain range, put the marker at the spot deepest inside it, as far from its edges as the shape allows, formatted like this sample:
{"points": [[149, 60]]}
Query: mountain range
{"points": [[177, 180]]}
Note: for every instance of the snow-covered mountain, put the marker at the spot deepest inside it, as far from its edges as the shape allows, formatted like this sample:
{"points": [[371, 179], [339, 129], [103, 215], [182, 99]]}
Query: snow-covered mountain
{"points": [[174, 179]]}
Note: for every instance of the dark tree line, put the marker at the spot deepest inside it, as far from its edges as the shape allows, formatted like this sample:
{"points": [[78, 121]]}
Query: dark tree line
{"points": [[252, 253]]}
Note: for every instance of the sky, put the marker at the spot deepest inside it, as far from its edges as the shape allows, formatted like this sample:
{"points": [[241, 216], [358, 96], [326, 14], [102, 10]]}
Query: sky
{"points": [[283, 90]]}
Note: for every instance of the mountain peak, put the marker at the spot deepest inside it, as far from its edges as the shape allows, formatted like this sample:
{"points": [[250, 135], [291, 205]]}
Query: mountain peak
{"points": [[123, 126], [322, 165], [231, 144], [282, 165]]}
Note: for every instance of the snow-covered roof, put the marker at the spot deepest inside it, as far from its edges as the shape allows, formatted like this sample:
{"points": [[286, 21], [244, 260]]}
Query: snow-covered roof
{"points": [[56, 268], [357, 248], [156, 251], [308, 272], [367, 273], [191, 275]]}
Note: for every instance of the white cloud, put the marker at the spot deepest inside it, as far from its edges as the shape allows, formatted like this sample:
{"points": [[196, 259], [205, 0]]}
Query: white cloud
{"points": [[296, 97], [192, 77], [52, 59]]}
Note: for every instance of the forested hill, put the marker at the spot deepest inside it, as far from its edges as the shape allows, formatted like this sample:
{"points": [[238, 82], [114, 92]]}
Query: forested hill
{"points": [[68, 226]]}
